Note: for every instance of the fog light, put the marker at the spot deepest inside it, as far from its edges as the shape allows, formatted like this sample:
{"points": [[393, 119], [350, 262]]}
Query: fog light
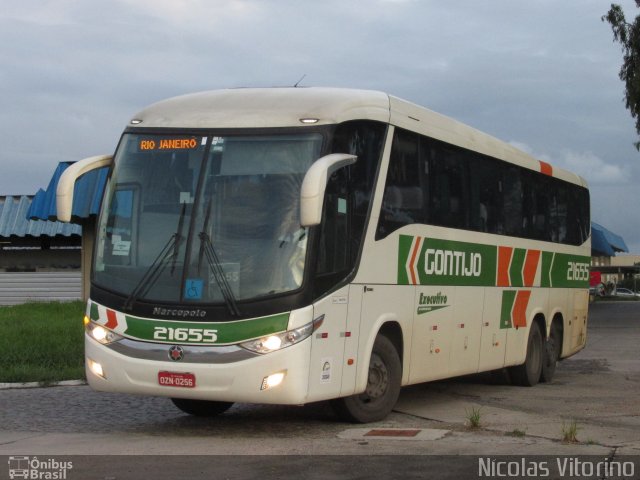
{"points": [[272, 380], [95, 367]]}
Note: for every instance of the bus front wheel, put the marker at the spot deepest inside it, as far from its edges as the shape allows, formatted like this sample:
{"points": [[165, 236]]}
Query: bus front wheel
{"points": [[383, 387], [201, 408], [528, 374]]}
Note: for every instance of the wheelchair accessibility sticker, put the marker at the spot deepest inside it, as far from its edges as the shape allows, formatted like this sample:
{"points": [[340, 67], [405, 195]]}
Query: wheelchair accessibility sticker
{"points": [[193, 289]]}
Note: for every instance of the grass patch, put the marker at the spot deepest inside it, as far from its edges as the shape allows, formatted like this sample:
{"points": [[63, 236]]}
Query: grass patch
{"points": [[516, 433], [570, 432], [42, 342], [473, 417]]}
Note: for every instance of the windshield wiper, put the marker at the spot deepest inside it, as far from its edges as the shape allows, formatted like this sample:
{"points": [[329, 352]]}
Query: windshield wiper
{"points": [[207, 249], [218, 272], [151, 275]]}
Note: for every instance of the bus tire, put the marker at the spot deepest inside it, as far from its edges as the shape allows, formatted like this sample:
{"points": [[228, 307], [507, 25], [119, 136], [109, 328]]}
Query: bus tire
{"points": [[528, 374], [551, 353], [383, 387], [201, 408]]}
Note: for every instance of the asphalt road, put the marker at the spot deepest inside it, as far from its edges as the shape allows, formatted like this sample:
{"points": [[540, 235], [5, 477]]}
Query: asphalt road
{"points": [[598, 389]]}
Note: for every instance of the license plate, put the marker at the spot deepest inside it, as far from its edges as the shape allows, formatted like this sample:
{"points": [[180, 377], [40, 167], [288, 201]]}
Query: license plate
{"points": [[175, 379]]}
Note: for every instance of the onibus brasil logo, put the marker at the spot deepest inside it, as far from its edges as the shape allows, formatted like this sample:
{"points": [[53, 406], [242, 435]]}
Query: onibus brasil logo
{"points": [[33, 468]]}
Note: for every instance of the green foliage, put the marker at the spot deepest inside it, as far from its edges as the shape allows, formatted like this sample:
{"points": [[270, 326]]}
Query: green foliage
{"points": [[473, 417], [628, 35], [41, 342], [570, 432]]}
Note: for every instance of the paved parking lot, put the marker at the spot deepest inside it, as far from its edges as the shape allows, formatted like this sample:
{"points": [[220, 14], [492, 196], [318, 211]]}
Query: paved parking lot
{"points": [[598, 389]]}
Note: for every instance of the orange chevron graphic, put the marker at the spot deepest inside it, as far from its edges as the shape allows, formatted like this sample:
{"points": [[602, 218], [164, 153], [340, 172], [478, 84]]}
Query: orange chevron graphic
{"points": [[520, 308], [112, 320], [504, 261], [530, 267], [514, 308]]}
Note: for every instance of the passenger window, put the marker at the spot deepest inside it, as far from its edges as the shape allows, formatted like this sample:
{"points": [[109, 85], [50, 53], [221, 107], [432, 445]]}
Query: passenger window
{"points": [[449, 196], [403, 200], [486, 190], [436, 183]]}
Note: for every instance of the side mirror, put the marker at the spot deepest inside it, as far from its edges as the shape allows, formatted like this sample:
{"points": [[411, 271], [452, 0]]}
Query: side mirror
{"points": [[315, 184], [64, 192]]}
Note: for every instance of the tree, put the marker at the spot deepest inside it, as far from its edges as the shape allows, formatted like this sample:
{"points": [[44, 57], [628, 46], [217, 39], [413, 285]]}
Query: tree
{"points": [[628, 35]]}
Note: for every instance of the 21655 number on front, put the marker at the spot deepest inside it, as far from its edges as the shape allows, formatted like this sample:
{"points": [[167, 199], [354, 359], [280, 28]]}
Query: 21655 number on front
{"points": [[193, 335]]}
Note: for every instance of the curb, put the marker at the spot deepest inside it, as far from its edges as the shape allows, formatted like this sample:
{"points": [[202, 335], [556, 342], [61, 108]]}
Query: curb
{"points": [[64, 383]]}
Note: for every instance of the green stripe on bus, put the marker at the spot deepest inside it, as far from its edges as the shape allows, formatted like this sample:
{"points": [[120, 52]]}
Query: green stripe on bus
{"points": [[570, 271], [225, 332], [547, 262], [508, 299], [453, 263], [94, 314], [447, 262], [517, 264], [404, 250]]}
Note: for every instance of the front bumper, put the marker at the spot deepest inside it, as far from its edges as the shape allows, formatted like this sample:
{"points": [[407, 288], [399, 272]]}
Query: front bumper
{"points": [[228, 379]]}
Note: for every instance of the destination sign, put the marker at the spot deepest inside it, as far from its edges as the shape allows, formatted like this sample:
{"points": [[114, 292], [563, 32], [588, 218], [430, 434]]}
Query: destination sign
{"points": [[150, 144]]}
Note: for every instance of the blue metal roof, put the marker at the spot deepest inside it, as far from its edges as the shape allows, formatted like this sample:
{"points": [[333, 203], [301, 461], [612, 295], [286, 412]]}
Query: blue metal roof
{"points": [[87, 195], [14, 221], [605, 243]]}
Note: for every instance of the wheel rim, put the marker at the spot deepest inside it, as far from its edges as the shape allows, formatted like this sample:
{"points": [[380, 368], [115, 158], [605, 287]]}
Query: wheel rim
{"points": [[378, 381]]}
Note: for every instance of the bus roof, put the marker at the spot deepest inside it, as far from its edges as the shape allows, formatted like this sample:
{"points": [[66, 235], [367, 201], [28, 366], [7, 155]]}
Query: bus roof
{"points": [[289, 106]]}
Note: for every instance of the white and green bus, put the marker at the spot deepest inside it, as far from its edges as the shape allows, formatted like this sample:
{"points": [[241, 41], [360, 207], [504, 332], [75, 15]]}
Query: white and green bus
{"points": [[292, 245]]}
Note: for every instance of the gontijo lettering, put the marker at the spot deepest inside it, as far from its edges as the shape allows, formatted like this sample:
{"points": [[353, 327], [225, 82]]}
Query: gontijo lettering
{"points": [[451, 262]]}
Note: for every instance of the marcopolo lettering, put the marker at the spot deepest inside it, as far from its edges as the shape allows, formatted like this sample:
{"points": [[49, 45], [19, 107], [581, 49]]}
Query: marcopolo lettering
{"points": [[453, 263], [168, 312]]}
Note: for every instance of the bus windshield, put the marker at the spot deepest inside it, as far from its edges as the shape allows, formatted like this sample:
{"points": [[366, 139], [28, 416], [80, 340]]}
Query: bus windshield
{"points": [[204, 219]]}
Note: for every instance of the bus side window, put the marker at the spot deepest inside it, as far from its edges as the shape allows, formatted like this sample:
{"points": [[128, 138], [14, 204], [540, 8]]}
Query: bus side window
{"points": [[449, 201], [403, 199], [486, 190], [512, 197], [121, 225], [334, 243]]}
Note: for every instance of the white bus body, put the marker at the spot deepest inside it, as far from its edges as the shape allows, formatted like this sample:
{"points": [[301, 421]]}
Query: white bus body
{"points": [[427, 250]]}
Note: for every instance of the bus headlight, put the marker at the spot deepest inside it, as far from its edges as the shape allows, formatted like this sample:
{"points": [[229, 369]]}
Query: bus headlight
{"points": [[101, 334], [277, 341]]}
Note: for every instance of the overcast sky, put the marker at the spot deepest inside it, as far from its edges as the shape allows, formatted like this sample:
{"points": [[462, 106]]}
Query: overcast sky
{"points": [[541, 74]]}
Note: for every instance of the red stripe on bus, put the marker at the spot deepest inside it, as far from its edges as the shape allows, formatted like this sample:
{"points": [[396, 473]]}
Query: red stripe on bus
{"points": [[546, 168], [520, 308], [504, 260], [112, 320], [530, 267]]}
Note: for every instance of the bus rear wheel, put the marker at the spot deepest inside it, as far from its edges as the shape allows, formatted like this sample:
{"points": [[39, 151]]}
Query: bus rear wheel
{"points": [[201, 408], [383, 387], [528, 374], [551, 353]]}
